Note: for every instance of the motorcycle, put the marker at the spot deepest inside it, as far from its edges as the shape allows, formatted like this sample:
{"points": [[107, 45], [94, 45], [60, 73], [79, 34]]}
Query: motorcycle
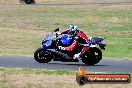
{"points": [[27, 1], [49, 49]]}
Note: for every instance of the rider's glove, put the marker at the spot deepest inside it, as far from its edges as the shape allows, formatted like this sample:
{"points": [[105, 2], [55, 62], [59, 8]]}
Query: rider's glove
{"points": [[58, 33], [76, 37], [61, 48]]}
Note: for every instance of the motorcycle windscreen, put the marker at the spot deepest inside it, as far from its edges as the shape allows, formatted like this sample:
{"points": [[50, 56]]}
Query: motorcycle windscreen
{"points": [[66, 40], [47, 37], [50, 37], [48, 43]]}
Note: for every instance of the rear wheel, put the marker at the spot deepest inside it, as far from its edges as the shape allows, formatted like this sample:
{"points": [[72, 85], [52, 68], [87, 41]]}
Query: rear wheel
{"points": [[93, 56], [42, 56]]}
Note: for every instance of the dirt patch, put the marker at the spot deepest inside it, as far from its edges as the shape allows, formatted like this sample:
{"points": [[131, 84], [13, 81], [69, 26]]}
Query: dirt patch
{"points": [[100, 32], [88, 18], [110, 19], [119, 6], [116, 19], [113, 19]]}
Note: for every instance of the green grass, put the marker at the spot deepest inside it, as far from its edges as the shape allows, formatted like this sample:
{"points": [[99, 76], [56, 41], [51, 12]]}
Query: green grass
{"points": [[8, 75], [118, 46], [5, 26], [37, 72], [29, 78], [27, 71], [23, 27]]}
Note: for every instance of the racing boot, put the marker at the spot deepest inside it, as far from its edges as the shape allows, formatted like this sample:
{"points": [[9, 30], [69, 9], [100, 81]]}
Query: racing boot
{"points": [[77, 57]]}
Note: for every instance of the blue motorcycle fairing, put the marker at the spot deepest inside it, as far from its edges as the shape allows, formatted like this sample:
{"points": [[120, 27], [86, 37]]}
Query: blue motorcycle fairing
{"points": [[100, 40], [46, 37], [96, 41], [43, 47], [66, 40], [47, 42]]}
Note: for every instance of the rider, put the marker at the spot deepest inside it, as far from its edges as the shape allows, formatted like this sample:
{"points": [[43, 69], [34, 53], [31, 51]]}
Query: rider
{"points": [[74, 32]]}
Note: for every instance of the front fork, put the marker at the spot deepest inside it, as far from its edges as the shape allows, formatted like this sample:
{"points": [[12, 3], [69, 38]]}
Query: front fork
{"points": [[43, 47]]}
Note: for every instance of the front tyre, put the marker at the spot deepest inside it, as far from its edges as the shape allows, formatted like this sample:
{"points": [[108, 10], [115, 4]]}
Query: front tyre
{"points": [[42, 56], [93, 56]]}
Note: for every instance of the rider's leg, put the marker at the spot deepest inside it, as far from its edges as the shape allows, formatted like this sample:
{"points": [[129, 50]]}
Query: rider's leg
{"points": [[77, 56], [72, 47]]}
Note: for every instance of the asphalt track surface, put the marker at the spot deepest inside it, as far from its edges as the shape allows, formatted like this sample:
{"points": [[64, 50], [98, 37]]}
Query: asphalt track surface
{"points": [[105, 65]]}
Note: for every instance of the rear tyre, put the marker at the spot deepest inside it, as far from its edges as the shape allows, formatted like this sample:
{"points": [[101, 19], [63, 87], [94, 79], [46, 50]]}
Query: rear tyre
{"points": [[42, 56], [93, 56]]}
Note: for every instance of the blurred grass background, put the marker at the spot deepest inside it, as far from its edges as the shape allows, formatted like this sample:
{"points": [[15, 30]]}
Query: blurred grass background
{"points": [[22, 27]]}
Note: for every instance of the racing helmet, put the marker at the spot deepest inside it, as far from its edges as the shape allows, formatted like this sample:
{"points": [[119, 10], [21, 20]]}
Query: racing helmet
{"points": [[72, 30]]}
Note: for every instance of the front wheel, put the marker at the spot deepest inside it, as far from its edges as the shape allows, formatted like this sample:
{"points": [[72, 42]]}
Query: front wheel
{"points": [[21, 1], [93, 56], [42, 56]]}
